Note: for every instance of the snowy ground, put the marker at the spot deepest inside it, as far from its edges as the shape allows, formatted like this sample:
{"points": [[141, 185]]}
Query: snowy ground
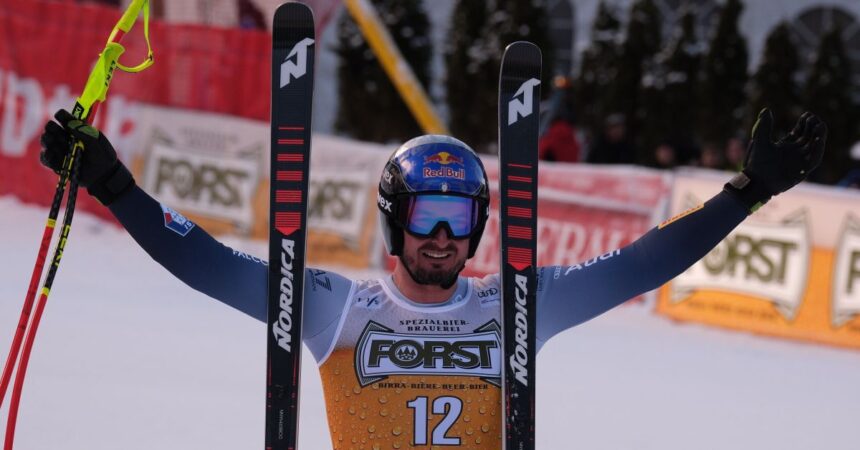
{"points": [[129, 358]]}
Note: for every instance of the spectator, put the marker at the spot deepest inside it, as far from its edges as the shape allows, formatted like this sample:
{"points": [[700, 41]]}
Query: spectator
{"points": [[735, 154], [559, 142], [665, 156], [613, 145], [852, 178], [250, 16], [711, 156]]}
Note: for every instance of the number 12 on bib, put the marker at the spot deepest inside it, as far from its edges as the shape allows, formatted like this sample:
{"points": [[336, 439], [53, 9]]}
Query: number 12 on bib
{"points": [[519, 100]]}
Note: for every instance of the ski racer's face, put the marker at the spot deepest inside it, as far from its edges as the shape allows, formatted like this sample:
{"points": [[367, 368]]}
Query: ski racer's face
{"points": [[436, 260]]}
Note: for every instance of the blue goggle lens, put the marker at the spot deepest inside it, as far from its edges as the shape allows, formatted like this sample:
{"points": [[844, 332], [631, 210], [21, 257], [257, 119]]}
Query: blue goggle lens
{"points": [[425, 213]]}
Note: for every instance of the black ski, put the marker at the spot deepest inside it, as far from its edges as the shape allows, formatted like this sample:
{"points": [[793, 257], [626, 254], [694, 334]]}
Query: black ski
{"points": [[519, 99], [292, 99]]}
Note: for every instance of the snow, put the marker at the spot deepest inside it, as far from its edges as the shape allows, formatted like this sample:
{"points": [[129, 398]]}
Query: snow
{"points": [[128, 357]]}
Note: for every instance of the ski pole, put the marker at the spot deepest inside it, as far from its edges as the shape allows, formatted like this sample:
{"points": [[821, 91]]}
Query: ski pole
{"points": [[85, 108]]}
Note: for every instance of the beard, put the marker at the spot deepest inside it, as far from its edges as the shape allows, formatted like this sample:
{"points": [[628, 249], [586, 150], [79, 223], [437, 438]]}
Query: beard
{"points": [[444, 278]]}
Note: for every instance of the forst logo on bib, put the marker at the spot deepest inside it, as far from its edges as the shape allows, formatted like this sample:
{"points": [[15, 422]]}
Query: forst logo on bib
{"points": [[382, 353]]}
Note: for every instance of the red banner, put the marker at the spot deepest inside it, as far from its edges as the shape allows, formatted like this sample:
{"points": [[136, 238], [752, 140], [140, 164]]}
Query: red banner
{"points": [[46, 55]]}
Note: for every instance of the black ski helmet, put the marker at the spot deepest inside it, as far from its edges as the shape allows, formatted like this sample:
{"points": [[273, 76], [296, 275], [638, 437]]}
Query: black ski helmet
{"points": [[430, 164]]}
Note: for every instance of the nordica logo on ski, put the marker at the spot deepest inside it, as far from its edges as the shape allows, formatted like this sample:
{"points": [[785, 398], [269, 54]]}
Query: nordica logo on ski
{"points": [[381, 352], [520, 359], [284, 324], [298, 67], [522, 108]]}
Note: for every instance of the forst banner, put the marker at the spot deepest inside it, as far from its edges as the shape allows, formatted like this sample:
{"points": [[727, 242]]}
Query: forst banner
{"points": [[213, 168], [791, 270]]}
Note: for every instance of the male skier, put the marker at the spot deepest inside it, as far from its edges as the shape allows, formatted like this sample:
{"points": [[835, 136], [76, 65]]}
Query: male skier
{"points": [[414, 359]]}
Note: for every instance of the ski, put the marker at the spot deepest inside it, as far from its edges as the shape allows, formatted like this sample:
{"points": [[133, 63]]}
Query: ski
{"points": [[292, 99], [519, 120]]}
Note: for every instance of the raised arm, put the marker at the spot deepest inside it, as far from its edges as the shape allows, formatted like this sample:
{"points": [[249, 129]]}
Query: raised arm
{"points": [[568, 296], [184, 249], [192, 255]]}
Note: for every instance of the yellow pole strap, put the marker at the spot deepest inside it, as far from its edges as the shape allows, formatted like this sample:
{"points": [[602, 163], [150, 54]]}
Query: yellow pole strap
{"points": [[99, 80], [395, 66]]}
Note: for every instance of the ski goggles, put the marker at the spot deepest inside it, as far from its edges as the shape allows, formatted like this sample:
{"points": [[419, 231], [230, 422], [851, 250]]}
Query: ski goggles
{"points": [[423, 215]]}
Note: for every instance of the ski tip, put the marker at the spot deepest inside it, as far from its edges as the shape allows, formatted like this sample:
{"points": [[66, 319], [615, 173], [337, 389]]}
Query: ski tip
{"points": [[293, 13], [522, 44], [293, 8], [523, 51]]}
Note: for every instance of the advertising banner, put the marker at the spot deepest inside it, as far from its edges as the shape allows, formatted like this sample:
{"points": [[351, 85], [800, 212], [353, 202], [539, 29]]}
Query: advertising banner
{"points": [[214, 169], [209, 166], [48, 50], [342, 223], [193, 129], [792, 269]]}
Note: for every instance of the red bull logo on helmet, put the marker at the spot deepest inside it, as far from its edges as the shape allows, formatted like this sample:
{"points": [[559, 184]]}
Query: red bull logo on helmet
{"points": [[444, 159]]}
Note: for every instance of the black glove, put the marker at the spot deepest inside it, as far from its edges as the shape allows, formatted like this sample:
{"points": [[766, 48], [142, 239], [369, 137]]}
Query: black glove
{"points": [[775, 167], [104, 176]]}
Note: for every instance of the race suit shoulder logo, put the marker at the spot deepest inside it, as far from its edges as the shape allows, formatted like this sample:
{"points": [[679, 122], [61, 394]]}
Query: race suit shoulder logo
{"points": [[298, 67], [522, 108], [381, 353], [175, 221]]}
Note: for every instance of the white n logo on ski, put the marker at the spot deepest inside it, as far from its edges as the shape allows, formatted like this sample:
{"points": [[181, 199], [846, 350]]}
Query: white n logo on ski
{"points": [[518, 108], [299, 67]]}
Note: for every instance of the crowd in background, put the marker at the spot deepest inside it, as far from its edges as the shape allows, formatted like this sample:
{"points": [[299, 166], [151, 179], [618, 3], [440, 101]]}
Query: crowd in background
{"points": [[604, 132], [563, 139]]}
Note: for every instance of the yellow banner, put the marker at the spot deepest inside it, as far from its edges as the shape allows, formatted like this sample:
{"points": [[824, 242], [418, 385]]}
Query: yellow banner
{"points": [[791, 270]]}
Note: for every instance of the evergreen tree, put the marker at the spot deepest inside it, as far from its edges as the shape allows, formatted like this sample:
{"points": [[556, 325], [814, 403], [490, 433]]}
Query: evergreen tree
{"points": [[370, 108], [526, 20], [471, 83], [668, 97], [642, 42], [723, 78], [599, 69], [774, 83], [828, 94], [481, 31]]}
